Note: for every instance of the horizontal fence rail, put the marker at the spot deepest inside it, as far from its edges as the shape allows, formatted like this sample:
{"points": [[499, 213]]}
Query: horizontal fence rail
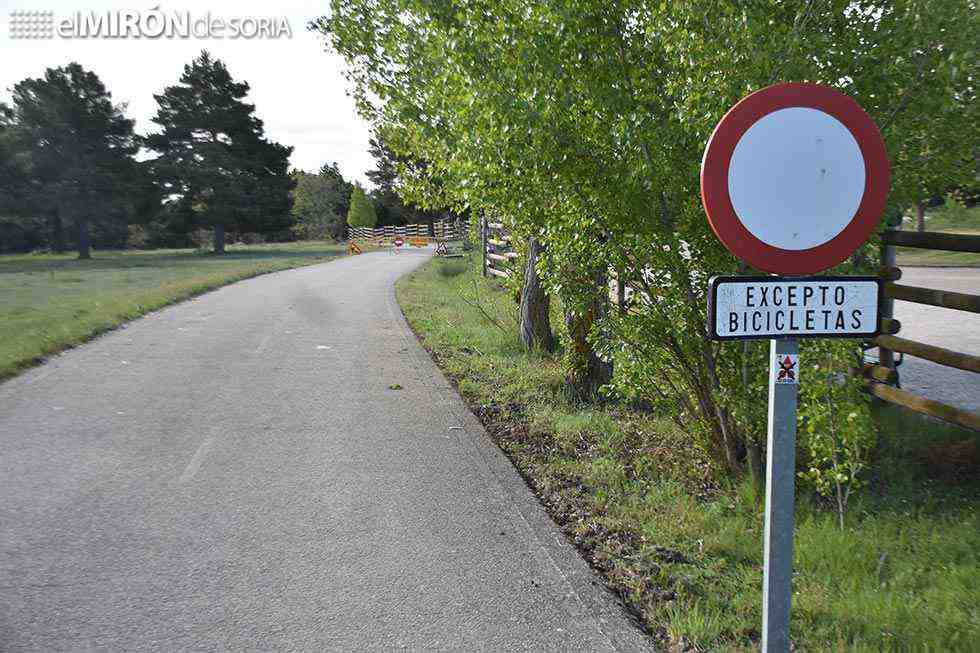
{"points": [[942, 298], [450, 230], [925, 406], [940, 355], [499, 257], [933, 240], [883, 379]]}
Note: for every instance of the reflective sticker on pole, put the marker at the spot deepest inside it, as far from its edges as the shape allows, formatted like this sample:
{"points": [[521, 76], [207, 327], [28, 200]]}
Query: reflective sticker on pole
{"points": [[788, 370]]}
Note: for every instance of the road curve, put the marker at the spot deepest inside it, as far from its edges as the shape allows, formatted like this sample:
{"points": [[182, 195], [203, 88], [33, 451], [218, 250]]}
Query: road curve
{"points": [[236, 473]]}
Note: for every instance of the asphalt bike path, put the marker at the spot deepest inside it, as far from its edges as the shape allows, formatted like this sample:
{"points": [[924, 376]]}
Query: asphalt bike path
{"points": [[240, 472]]}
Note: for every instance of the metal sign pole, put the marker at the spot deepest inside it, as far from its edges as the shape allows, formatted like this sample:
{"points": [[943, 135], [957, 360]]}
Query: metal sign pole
{"points": [[771, 227], [780, 469]]}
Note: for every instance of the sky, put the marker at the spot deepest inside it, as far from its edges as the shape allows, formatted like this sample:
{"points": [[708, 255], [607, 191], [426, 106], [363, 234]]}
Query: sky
{"points": [[297, 86]]}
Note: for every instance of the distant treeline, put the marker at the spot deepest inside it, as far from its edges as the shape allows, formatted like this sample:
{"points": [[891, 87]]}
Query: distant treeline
{"points": [[75, 175]]}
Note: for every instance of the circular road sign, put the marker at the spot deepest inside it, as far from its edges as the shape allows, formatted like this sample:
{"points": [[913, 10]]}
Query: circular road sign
{"points": [[794, 178]]}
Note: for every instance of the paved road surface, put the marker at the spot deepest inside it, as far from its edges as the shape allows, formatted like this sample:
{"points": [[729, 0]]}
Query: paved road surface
{"points": [[955, 330], [235, 473]]}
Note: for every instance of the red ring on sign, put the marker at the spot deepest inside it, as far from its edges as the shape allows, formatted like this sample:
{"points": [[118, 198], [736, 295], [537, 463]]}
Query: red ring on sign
{"points": [[718, 156]]}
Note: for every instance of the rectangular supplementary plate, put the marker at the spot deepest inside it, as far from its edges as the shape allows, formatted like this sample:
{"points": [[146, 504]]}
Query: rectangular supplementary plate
{"points": [[741, 308]]}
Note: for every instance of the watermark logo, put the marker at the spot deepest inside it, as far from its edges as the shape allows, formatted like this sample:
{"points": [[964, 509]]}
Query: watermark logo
{"points": [[31, 24], [152, 23]]}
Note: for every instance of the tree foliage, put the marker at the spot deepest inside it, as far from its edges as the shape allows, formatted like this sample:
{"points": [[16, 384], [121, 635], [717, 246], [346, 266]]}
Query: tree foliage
{"points": [[584, 122], [361, 213], [388, 193], [320, 203], [69, 152], [838, 433], [13, 177], [214, 158]]}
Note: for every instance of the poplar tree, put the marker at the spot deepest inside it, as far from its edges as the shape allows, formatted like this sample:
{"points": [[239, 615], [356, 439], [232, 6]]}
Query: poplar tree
{"points": [[585, 123]]}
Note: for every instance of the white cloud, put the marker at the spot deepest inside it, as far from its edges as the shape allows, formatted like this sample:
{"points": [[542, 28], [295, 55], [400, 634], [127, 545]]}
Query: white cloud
{"points": [[298, 88]]}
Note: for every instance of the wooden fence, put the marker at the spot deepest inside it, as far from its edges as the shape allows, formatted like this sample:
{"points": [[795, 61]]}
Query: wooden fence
{"points": [[450, 229], [447, 229], [883, 378], [499, 256]]}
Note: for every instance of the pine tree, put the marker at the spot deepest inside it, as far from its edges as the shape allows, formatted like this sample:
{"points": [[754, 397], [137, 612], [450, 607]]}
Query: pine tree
{"points": [[361, 213], [13, 178], [77, 149], [214, 156]]}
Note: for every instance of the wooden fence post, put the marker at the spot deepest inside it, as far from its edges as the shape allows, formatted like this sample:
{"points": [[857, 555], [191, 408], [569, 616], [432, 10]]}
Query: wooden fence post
{"points": [[483, 239], [886, 357]]}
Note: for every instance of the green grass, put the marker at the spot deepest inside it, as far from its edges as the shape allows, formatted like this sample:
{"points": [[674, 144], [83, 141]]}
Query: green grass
{"points": [[684, 552], [911, 257], [451, 268], [49, 302], [950, 218]]}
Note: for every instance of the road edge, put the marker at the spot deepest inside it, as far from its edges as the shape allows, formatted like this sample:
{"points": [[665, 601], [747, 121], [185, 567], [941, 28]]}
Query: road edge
{"points": [[617, 623], [42, 359]]}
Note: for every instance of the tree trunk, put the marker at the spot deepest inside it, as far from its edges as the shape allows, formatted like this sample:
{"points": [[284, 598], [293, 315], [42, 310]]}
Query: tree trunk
{"points": [[84, 244], [483, 242], [219, 239], [753, 451], [757, 470], [920, 216], [587, 371], [535, 304], [621, 293], [57, 231]]}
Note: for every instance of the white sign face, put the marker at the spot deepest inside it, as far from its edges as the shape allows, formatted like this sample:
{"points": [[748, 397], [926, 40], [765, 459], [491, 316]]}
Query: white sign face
{"points": [[766, 307], [796, 178]]}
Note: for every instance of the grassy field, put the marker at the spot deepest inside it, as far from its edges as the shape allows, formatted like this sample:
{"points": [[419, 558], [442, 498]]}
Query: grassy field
{"points": [[910, 257], [49, 302], [949, 218], [684, 551]]}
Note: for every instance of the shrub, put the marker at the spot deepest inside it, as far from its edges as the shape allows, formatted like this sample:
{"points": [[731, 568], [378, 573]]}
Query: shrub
{"points": [[202, 238], [250, 238], [310, 230], [137, 237], [451, 268], [838, 434]]}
